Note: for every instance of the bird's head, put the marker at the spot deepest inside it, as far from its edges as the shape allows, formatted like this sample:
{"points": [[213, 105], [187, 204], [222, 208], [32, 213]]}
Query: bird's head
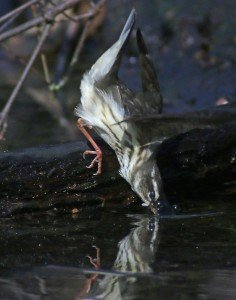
{"points": [[146, 182]]}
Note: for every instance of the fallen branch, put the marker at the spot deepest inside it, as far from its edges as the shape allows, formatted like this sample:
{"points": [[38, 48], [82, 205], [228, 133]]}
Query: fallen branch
{"points": [[193, 163]]}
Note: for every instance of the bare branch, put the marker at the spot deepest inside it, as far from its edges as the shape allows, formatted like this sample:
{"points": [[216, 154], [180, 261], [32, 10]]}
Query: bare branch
{"points": [[17, 88], [45, 68], [94, 10], [91, 14], [79, 46], [18, 10], [9, 22], [48, 18], [42, 55], [63, 81]]}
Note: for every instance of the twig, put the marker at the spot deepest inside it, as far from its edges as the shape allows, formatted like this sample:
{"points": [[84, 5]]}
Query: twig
{"points": [[7, 107], [9, 22], [42, 55], [63, 13], [45, 68], [18, 10], [93, 11], [63, 81], [90, 13], [83, 37], [14, 57], [79, 46], [67, 48], [48, 18]]}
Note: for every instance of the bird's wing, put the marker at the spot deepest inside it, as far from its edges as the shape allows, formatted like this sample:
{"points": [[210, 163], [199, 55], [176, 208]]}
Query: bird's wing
{"points": [[105, 75], [105, 71], [149, 101], [153, 129], [151, 97]]}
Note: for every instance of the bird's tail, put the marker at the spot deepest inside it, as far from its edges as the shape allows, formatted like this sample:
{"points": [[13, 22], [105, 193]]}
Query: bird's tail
{"points": [[149, 77], [106, 67]]}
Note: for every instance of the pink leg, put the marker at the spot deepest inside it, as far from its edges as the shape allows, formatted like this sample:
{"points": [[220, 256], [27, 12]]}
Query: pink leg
{"points": [[95, 261], [92, 278], [97, 152]]}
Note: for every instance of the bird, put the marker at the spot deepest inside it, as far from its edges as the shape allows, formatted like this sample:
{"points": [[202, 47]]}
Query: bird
{"points": [[136, 255], [106, 103]]}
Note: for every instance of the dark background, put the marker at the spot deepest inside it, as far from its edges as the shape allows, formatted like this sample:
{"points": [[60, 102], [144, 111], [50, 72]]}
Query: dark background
{"points": [[192, 44]]}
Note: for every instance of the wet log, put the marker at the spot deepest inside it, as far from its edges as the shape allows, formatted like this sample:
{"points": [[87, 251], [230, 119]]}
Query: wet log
{"points": [[200, 161], [56, 177]]}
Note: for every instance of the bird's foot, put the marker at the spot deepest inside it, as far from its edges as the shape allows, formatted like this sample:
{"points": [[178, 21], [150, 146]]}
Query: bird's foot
{"points": [[97, 159], [95, 261], [97, 151]]}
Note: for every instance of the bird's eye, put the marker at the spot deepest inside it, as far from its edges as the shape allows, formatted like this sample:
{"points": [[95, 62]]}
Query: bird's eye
{"points": [[152, 196]]}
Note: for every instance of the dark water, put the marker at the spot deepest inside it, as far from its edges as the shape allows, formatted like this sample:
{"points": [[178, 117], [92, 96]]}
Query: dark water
{"points": [[190, 255]]}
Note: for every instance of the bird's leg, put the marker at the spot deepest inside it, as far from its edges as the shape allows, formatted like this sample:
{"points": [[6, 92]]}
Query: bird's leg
{"points": [[97, 151], [95, 261], [92, 278]]}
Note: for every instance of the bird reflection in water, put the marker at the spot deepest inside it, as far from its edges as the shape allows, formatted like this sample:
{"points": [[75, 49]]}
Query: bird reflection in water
{"points": [[136, 254]]}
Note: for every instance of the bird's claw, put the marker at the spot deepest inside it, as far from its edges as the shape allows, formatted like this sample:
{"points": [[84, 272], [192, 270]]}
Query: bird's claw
{"points": [[93, 162], [97, 159]]}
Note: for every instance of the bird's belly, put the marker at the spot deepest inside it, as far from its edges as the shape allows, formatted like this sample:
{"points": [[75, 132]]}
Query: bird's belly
{"points": [[104, 114]]}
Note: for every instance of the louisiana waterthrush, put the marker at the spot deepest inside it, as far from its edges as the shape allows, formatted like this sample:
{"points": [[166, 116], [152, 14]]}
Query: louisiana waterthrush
{"points": [[105, 105]]}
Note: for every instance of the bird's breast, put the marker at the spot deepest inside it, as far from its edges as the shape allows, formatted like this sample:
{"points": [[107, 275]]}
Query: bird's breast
{"points": [[131, 160]]}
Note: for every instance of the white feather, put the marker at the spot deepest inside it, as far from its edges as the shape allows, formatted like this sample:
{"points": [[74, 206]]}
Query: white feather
{"points": [[95, 109]]}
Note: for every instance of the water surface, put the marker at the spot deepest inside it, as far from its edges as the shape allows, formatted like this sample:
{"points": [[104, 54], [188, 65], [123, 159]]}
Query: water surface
{"points": [[190, 255]]}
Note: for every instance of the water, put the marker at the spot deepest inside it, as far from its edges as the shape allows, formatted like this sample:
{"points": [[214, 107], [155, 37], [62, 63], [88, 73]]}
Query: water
{"points": [[187, 256]]}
